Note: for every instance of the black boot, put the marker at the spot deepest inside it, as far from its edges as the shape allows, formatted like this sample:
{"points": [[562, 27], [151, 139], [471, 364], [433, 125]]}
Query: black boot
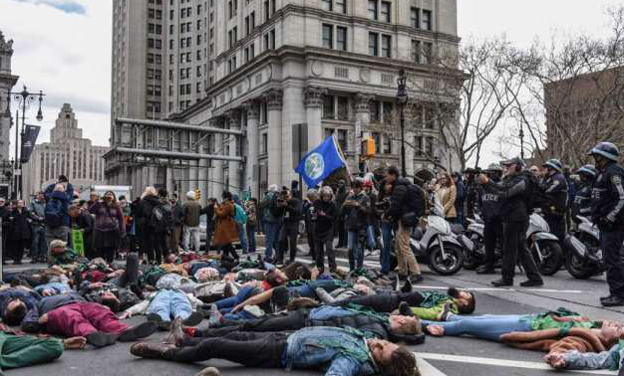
{"points": [[502, 283]]}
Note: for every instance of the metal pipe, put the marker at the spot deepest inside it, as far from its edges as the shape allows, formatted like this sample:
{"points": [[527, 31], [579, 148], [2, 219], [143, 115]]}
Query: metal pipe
{"points": [[172, 125], [176, 154]]}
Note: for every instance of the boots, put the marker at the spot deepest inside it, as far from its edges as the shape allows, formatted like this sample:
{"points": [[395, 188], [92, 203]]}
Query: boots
{"points": [[150, 350]]}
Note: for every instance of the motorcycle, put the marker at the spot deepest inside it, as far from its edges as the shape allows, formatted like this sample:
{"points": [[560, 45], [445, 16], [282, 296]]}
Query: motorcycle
{"points": [[437, 245], [544, 246], [583, 248], [473, 244]]}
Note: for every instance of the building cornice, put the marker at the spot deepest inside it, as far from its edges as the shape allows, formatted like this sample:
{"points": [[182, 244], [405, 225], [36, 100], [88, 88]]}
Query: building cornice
{"points": [[11, 79]]}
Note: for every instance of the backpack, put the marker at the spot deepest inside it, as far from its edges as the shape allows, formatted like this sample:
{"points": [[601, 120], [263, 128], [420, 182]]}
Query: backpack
{"points": [[162, 218], [414, 206], [531, 191], [239, 214], [53, 213]]}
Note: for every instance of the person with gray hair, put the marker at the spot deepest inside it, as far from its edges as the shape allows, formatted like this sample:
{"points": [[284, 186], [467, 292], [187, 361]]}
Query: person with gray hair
{"points": [[325, 214], [308, 213]]}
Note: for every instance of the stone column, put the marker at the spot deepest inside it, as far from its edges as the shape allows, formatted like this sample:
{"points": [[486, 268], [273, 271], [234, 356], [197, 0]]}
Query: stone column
{"points": [[410, 136], [217, 165], [202, 175], [234, 119], [274, 99], [362, 120], [170, 179], [253, 142], [313, 99]]}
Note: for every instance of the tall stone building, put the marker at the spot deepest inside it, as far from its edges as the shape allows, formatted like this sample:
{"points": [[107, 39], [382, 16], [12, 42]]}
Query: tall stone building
{"points": [[67, 153], [7, 81], [276, 67]]}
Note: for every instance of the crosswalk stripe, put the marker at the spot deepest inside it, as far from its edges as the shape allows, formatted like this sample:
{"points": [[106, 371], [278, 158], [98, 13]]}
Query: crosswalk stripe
{"points": [[499, 362], [426, 369]]}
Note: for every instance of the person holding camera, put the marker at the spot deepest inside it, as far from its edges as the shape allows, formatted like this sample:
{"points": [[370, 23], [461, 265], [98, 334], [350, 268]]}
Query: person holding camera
{"points": [[291, 209], [515, 192], [324, 216], [355, 209], [39, 247], [407, 206], [382, 209]]}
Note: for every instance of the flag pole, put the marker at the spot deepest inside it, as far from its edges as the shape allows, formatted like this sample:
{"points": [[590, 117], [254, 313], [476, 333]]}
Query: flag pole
{"points": [[337, 145]]}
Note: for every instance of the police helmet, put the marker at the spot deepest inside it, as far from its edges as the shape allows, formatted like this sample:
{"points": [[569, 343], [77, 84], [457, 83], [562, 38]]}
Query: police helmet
{"points": [[515, 161], [555, 164], [494, 167], [607, 150], [588, 170]]}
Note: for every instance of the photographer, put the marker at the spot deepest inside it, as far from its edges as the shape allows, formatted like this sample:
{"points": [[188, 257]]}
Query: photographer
{"points": [[39, 246], [323, 216], [382, 209], [291, 209], [407, 206], [490, 203], [355, 210], [271, 216], [309, 217], [515, 192]]}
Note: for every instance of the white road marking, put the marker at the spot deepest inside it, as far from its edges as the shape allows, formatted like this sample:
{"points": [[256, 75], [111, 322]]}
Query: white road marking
{"points": [[498, 362], [426, 369]]}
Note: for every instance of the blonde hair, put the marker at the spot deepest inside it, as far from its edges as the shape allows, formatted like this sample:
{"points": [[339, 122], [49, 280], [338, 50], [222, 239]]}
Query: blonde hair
{"points": [[149, 191]]}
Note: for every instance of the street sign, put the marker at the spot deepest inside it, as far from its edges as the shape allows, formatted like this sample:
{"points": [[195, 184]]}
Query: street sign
{"points": [[17, 172]]}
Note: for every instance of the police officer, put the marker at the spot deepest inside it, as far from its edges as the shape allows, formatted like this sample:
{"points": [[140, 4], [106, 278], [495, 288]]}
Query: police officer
{"points": [[607, 204], [581, 205], [553, 198], [490, 204], [515, 192]]}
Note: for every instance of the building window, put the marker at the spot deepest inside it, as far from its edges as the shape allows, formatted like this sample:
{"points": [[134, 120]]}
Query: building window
{"points": [[387, 108], [427, 52], [253, 20], [340, 6], [343, 108], [326, 5], [387, 145], [416, 51], [265, 113], [328, 36], [375, 113], [342, 138], [341, 38], [266, 41], [267, 11], [429, 116], [247, 26], [272, 33], [328, 107], [265, 144], [426, 20], [385, 11], [386, 46], [373, 12], [373, 44], [415, 18]]}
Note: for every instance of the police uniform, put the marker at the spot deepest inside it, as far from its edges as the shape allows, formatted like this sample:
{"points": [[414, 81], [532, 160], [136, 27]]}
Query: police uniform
{"points": [[555, 203], [606, 211], [490, 205], [581, 206]]}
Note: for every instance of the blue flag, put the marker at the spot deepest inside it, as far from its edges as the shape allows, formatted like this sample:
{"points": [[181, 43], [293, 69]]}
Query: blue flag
{"points": [[320, 162]]}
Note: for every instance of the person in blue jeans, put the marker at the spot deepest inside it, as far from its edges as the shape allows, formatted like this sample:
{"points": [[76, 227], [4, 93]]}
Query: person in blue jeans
{"points": [[252, 221], [335, 351], [271, 221], [168, 305], [356, 209]]}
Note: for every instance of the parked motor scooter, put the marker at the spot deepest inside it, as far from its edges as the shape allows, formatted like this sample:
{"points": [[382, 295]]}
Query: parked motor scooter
{"points": [[544, 245], [584, 256]]}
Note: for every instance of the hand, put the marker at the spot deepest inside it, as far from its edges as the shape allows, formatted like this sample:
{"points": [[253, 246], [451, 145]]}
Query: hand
{"points": [[556, 360], [321, 213], [74, 343], [238, 308], [47, 292], [123, 315], [436, 330], [483, 179], [43, 319]]}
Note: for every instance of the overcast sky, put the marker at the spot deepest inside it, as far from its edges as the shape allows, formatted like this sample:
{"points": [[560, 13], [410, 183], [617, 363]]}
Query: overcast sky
{"points": [[63, 47]]}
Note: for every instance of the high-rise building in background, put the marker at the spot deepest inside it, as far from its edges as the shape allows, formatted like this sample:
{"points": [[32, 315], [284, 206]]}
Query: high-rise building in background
{"points": [[274, 69], [67, 153], [7, 81]]}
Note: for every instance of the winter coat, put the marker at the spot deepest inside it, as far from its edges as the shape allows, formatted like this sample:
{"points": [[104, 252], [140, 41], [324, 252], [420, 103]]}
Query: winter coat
{"points": [[108, 218], [144, 210], [226, 231], [19, 225], [447, 196], [324, 224], [192, 210], [65, 197], [356, 217]]}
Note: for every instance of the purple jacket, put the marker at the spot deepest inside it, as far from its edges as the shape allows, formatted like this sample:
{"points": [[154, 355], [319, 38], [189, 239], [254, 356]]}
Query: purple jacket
{"points": [[107, 217]]}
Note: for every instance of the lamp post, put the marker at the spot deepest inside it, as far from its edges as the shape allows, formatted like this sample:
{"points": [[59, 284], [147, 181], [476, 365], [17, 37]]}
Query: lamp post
{"points": [[24, 100], [521, 135], [402, 98]]}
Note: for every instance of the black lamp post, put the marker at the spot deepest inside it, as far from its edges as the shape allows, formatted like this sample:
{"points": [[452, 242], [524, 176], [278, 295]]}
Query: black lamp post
{"points": [[402, 99], [24, 100]]}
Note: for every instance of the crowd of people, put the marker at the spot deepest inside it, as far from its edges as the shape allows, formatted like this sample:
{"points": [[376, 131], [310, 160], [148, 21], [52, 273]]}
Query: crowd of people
{"points": [[109, 259]]}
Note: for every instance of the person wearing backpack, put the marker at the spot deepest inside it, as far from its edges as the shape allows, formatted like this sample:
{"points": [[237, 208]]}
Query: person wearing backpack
{"points": [[515, 192], [240, 217], [190, 219], [58, 196], [109, 226], [271, 217], [143, 220]]}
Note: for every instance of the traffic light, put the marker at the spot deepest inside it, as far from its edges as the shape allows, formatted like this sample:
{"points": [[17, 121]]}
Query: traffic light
{"points": [[197, 194], [368, 148]]}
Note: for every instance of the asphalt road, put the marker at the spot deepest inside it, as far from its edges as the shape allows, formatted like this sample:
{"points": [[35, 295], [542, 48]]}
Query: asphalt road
{"points": [[449, 356]]}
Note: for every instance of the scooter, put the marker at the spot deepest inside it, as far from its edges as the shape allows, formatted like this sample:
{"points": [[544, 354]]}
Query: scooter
{"points": [[544, 246], [472, 242], [584, 258], [438, 246]]}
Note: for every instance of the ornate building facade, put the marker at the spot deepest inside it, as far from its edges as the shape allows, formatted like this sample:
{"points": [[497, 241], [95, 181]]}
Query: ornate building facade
{"points": [[7, 81]]}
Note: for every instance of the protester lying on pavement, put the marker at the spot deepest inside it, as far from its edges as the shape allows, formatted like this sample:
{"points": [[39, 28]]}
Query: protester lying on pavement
{"points": [[395, 328], [163, 306], [339, 351], [492, 327]]}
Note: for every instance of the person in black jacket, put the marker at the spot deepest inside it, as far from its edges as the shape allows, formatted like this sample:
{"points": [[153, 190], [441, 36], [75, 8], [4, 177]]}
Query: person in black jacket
{"points": [[355, 209], [608, 213], [394, 328], [553, 198], [149, 200], [324, 216], [407, 205], [515, 192], [581, 205], [82, 220], [19, 231], [309, 215], [291, 207], [490, 204], [341, 196]]}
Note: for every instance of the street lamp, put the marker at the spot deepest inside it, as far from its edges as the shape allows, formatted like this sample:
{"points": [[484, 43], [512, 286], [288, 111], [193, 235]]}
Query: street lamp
{"points": [[24, 100], [402, 99]]}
